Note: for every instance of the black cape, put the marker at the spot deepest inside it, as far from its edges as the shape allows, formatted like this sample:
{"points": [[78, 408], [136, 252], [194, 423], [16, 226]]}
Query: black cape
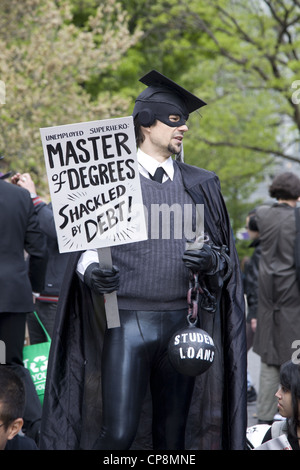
{"points": [[218, 413]]}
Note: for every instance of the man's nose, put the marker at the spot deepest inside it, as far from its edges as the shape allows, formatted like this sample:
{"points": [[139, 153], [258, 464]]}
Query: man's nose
{"points": [[183, 128]]}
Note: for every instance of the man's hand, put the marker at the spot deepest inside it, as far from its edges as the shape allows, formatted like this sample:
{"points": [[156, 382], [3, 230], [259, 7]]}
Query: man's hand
{"points": [[102, 280], [201, 260], [24, 180]]}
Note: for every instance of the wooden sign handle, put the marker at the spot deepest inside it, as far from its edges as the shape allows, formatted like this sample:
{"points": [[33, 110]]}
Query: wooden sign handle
{"points": [[111, 302]]}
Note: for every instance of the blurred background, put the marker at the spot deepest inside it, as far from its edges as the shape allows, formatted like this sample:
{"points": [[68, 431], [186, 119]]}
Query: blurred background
{"points": [[78, 60]]}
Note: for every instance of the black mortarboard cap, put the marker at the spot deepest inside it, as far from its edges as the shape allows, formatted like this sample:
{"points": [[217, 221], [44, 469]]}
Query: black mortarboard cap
{"points": [[163, 90]]}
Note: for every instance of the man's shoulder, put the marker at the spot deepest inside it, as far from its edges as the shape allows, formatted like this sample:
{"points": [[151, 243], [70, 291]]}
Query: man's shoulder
{"points": [[14, 190], [193, 175], [21, 443]]}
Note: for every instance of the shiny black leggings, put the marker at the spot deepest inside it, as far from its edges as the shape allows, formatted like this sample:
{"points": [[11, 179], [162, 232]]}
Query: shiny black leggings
{"points": [[135, 355]]}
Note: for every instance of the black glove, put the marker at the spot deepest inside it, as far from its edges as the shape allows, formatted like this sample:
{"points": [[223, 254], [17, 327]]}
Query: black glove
{"points": [[102, 280], [203, 260]]}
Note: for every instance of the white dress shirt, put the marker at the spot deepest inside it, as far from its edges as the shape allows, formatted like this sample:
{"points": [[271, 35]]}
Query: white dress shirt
{"points": [[148, 165]]}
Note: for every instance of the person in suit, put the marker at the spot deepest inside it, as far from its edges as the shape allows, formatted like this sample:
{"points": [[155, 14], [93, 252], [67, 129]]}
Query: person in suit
{"points": [[278, 321], [19, 234], [46, 302]]}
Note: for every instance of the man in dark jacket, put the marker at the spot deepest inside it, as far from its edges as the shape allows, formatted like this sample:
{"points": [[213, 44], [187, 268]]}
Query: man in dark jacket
{"points": [[152, 278], [46, 302], [278, 320], [19, 233]]}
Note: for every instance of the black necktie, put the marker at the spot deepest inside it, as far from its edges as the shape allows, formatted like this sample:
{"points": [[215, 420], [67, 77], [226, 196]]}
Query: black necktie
{"points": [[158, 175]]}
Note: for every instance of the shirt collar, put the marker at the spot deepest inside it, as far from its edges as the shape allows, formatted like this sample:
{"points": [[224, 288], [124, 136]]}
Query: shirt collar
{"points": [[149, 164]]}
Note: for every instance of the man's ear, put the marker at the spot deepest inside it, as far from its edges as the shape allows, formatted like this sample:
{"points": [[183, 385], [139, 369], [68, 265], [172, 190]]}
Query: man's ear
{"points": [[14, 428], [145, 130]]}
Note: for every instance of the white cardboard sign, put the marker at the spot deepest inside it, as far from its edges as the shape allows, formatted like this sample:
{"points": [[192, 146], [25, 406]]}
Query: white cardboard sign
{"points": [[94, 184]]}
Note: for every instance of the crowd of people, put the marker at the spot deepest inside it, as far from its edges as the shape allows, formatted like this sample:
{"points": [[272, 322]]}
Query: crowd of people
{"points": [[272, 289], [116, 389]]}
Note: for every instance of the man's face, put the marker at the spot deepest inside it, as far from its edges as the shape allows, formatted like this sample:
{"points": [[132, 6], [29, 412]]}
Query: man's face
{"points": [[166, 140]]}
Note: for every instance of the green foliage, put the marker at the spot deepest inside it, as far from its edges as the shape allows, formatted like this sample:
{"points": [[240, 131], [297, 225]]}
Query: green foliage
{"points": [[239, 57], [81, 59], [47, 62]]}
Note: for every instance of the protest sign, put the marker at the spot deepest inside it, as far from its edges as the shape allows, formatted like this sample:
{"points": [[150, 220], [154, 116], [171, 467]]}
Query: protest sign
{"points": [[94, 185]]}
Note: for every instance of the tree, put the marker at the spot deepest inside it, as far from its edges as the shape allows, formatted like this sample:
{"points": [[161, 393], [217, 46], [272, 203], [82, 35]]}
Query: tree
{"points": [[240, 49], [258, 42], [46, 62], [241, 57]]}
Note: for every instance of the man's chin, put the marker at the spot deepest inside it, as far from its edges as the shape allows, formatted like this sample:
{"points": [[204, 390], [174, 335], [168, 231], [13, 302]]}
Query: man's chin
{"points": [[173, 149]]}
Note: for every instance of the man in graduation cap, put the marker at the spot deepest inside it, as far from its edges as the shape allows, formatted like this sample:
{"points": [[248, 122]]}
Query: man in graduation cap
{"points": [[113, 388]]}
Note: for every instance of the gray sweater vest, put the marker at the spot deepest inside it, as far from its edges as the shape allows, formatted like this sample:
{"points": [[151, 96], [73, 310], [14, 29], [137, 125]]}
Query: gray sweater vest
{"points": [[152, 273]]}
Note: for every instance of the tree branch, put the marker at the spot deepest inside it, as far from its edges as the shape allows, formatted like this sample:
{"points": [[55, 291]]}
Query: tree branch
{"points": [[276, 153]]}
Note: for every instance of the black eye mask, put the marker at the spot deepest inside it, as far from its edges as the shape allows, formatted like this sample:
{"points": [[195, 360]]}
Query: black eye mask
{"points": [[162, 112]]}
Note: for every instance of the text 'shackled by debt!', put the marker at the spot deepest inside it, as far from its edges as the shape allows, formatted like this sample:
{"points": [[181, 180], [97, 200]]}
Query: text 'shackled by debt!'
{"points": [[94, 183]]}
